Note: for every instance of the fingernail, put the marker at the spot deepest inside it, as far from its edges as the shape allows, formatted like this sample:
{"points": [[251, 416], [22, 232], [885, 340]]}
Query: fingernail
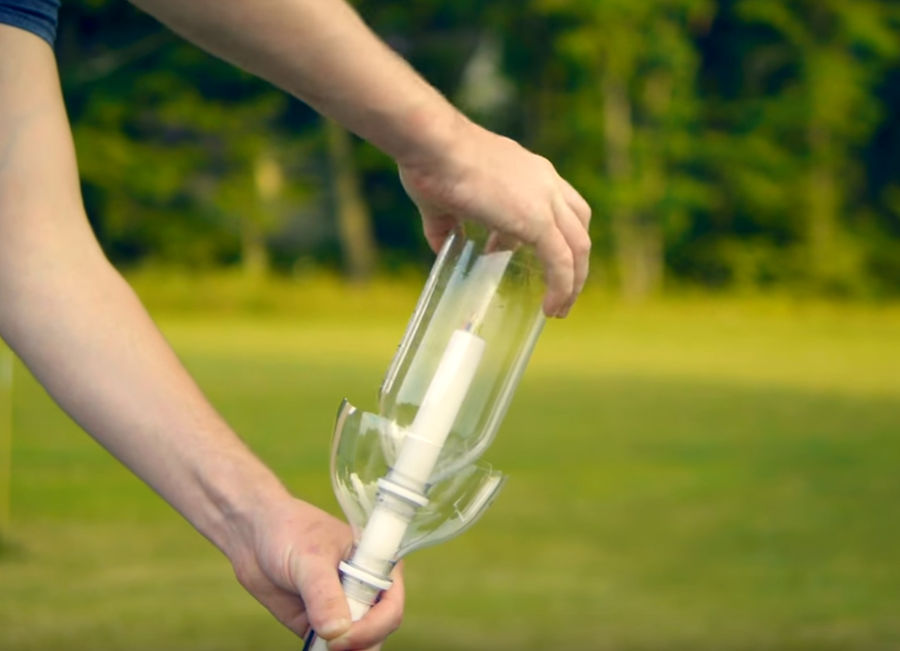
{"points": [[333, 627]]}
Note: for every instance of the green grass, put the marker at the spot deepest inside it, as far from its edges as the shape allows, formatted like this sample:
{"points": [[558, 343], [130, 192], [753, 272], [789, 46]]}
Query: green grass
{"points": [[695, 474]]}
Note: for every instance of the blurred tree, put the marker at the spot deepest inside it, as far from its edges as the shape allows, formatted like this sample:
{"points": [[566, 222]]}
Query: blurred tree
{"points": [[792, 103], [439, 39], [183, 158], [623, 73], [354, 219], [881, 213], [727, 142], [842, 49]]}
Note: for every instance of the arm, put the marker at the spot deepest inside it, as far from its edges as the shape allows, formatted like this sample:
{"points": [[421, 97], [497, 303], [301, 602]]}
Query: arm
{"points": [[84, 335], [320, 51]]}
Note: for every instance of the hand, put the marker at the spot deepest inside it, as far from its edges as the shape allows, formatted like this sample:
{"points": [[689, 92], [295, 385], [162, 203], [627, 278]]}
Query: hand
{"points": [[288, 562], [494, 181]]}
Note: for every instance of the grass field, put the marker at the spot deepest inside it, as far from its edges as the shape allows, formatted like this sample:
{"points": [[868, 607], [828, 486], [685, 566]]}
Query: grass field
{"points": [[695, 474]]}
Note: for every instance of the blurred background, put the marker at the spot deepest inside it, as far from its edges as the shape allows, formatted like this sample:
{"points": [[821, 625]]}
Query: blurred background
{"points": [[704, 455]]}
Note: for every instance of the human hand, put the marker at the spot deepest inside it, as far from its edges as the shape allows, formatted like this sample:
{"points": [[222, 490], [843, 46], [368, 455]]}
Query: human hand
{"points": [[287, 559], [493, 180]]}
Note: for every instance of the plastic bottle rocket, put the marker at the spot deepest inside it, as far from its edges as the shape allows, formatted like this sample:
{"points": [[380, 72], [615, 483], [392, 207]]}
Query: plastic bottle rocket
{"points": [[410, 475]]}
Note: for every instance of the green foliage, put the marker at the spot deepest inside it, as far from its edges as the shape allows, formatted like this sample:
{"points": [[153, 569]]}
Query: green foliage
{"points": [[721, 142], [170, 142], [806, 107]]}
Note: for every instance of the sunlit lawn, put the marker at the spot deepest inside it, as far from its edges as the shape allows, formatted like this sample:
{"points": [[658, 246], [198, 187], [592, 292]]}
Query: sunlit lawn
{"points": [[697, 474]]}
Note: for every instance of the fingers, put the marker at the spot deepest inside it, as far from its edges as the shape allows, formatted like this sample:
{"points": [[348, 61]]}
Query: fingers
{"points": [[559, 268], [498, 183], [571, 219], [383, 619], [577, 203], [317, 581], [288, 609], [437, 228], [284, 604], [576, 236], [437, 223]]}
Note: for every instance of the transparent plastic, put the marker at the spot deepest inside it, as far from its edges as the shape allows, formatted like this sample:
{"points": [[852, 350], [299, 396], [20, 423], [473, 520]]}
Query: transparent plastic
{"points": [[410, 475], [507, 316], [475, 283], [358, 462]]}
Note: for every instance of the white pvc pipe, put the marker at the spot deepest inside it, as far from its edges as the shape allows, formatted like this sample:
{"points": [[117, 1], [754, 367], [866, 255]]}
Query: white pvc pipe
{"points": [[357, 608], [383, 534], [439, 408]]}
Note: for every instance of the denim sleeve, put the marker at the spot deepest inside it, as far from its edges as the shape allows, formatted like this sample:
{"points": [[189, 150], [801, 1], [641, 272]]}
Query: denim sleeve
{"points": [[36, 16]]}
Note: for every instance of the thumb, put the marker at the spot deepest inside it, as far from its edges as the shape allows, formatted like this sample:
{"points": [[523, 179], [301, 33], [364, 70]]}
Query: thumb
{"points": [[320, 589]]}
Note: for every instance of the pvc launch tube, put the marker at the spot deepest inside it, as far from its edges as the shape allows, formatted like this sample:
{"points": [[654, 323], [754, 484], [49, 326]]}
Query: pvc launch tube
{"points": [[438, 410], [403, 491]]}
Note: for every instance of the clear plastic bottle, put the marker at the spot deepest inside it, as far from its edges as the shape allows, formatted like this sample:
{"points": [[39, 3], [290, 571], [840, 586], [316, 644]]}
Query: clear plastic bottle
{"points": [[410, 475], [496, 292]]}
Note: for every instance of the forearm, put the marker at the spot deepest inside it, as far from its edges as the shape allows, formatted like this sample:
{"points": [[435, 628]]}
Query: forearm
{"points": [[86, 338], [323, 53], [81, 330]]}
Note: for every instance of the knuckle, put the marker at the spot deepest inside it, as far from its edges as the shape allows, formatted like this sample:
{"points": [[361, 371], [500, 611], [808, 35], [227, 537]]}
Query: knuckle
{"points": [[521, 228], [585, 214], [533, 226], [582, 245], [546, 225], [546, 166]]}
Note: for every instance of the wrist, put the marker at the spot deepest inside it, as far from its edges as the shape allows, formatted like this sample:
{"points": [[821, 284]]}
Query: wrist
{"points": [[433, 133], [238, 493]]}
